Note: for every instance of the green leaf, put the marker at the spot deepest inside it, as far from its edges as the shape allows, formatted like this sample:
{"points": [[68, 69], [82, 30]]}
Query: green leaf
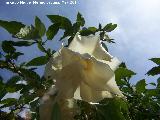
{"points": [[113, 109], [154, 84], [52, 31], [125, 89], [15, 55], [93, 29], [56, 113], [141, 86], [40, 47], [40, 26], [75, 27], [152, 92], [32, 78], [25, 89], [12, 27], [8, 102], [122, 73], [154, 71], [110, 27], [86, 32], [22, 43], [38, 61], [155, 60], [13, 80], [8, 47], [64, 23], [28, 33], [80, 19], [14, 88], [3, 92]]}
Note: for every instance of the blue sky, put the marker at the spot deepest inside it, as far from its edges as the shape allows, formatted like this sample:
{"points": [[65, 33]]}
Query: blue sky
{"points": [[137, 35]]}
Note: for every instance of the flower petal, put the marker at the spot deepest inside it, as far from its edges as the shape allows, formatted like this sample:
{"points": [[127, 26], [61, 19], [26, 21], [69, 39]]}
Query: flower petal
{"points": [[113, 64], [90, 45], [113, 88], [97, 74], [91, 95]]}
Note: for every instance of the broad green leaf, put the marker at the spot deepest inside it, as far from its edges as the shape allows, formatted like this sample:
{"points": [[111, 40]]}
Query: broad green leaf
{"points": [[15, 55], [8, 47], [154, 71], [56, 113], [28, 33], [110, 27], [93, 29], [13, 80], [13, 27], [75, 27], [152, 92], [40, 47], [38, 61], [3, 92], [80, 19], [155, 60], [40, 26], [152, 83], [113, 109], [86, 32], [34, 103], [22, 43], [52, 31], [32, 78], [141, 86], [14, 88], [122, 73], [30, 74], [64, 23], [125, 89], [8, 102], [29, 97], [25, 89]]}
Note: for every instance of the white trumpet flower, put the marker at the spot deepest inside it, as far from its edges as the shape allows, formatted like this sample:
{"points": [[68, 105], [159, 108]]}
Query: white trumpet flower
{"points": [[84, 71]]}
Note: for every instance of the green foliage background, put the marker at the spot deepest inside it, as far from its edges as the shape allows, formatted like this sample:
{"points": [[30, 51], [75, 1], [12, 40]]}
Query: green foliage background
{"points": [[141, 103]]}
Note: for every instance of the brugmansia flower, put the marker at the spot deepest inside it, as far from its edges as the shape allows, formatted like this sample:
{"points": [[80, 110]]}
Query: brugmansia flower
{"points": [[84, 71], [85, 68]]}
